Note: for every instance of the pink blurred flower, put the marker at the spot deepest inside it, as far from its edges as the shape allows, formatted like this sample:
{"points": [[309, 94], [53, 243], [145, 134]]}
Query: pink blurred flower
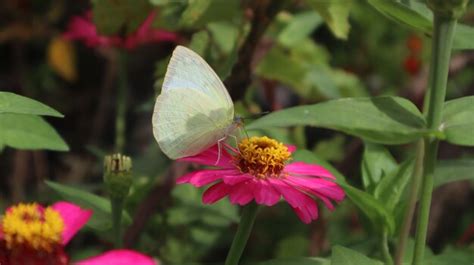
{"points": [[83, 29], [259, 171], [36, 235]]}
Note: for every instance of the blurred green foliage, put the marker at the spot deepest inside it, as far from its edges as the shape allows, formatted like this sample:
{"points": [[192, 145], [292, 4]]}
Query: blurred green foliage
{"points": [[318, 62]]}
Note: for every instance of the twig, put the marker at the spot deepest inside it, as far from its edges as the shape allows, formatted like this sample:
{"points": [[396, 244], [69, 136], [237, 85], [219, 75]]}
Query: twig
{"points": [[106, 94], [20, 173], [263, 12], [158, 197]]}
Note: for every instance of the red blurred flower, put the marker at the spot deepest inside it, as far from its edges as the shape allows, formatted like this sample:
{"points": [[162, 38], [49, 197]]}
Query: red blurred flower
{"points": [[31, 234], [414, 44], [82, 28], [258, 171], [412, 65]]}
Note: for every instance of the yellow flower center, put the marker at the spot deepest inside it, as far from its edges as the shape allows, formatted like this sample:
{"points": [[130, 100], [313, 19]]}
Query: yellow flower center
{"points": [[262, 157], [28, 225]]}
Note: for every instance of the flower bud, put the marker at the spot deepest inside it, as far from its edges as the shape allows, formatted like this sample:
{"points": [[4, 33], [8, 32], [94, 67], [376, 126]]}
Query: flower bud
{"points": [[448, 8], [118, 175]]}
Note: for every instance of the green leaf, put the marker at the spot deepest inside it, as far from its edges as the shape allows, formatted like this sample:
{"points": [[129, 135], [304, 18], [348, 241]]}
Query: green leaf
{"points": [[373, 209], [377, 162], [191, 209], [453, 170], [200, 12], [23, 131], [407, 16], [463, 37], [299, 28], [385, 120], [453, 256], [458, 121], [295, 261], [102, 217], [224, 35], [335, 14], [13, 103], [402, 14], [292, 246], [200, 41], [391, 188], [114, 16], [277, 65], [345, 256]]}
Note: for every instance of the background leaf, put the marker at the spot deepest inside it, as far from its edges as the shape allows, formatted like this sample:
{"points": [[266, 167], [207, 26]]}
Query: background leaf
{"points": [[13, 103], [345, 256], [295, 261], [392, 186], [377, 162], [386, 120], [119, 16], [299, 28], [102, 217], [376, 211], [405, 15], [32, 132], [200, 12], [335, 14], [458, 121], [402, 14], [453, 170]]}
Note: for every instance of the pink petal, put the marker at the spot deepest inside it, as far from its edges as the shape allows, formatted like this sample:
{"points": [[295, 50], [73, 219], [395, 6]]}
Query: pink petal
{"points": [[320, 186], [203, 177], [291, 148], [146, 25], [302, 204], [236, 178], [241, 193], [265, 194], [215, 193], [307, 190], [146, 34], [74, 218], [301, 168], [82, 28], [210, 156], [119, 257]]}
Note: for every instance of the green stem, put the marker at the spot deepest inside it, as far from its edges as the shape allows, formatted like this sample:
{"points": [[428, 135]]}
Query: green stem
{"points": [[410, 210], [441, 44], [117, 208], [386, 250], [243, 232], [121, 104]]}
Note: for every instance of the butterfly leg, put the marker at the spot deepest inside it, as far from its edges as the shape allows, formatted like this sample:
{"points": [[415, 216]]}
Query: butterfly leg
{"points": [[219, 149], [235, 139]]}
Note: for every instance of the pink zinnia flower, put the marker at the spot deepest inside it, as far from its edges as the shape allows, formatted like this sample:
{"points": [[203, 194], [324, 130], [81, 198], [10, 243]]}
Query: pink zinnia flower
{"points": [[32, 234], [259, 171], [82, 28]]}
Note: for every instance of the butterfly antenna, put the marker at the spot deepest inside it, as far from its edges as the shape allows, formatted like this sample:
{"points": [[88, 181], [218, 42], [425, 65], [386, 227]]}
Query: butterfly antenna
{"points": [[245, 131], [255, 116]]}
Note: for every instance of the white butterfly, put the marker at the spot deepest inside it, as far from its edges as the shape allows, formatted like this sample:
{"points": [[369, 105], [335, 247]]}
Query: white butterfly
{"points": [[194, 110]]}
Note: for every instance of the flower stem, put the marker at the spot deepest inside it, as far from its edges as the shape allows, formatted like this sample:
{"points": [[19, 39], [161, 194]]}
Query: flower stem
{"points": [[386, 250], [413, 197], [434, 99], [121, 103], [117, 208], [243, 232]]}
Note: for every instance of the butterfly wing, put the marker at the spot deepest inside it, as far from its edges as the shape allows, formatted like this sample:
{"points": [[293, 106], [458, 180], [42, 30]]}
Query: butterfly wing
{"points": [[187, 121], [188, 70]]}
